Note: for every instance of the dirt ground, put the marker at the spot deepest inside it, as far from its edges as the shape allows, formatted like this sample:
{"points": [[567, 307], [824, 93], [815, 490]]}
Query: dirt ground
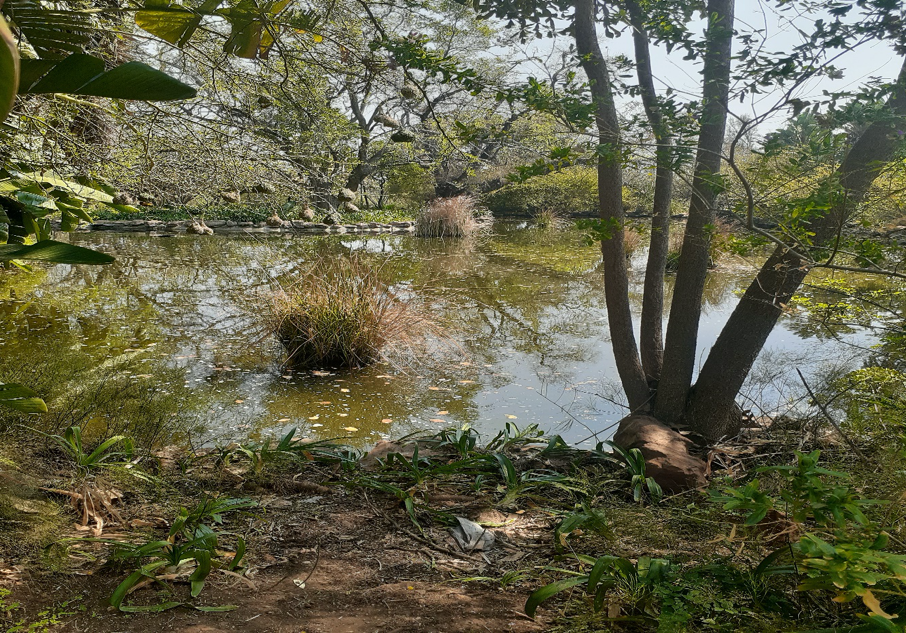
{"points": [[337, 561]]}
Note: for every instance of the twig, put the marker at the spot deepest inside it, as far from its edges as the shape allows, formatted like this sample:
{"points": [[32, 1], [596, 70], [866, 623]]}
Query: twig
{"points": [[833, 423]]}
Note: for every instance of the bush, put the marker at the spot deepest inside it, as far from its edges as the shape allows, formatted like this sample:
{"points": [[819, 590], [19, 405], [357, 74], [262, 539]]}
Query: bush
{"points": [[570, 191], [448, 217], [342, 314]]}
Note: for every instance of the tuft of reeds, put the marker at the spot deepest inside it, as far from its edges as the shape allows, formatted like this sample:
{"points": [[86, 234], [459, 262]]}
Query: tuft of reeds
{"points": [[448, 217], [342, 314], [549, 219]]}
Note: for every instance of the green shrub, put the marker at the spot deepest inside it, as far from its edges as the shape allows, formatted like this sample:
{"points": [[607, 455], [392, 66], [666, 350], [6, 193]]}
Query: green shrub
{"points": [[341, 313], [569, 191]]}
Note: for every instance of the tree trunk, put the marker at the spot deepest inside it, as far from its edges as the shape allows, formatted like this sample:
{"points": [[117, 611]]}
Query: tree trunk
{"points": [[685, 310], [744, 335], [651, 336], [610, 204]]}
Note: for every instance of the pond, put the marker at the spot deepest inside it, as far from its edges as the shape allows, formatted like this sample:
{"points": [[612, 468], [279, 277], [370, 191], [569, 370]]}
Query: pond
{"points": [[180, 316]]}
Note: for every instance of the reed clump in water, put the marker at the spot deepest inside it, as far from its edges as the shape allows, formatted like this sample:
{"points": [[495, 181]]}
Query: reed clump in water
{"points": [[448, 217], [341, 313]]}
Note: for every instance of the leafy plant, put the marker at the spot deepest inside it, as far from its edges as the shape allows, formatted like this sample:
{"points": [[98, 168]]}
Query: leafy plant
{"points": [[637, 581], [839, 550], [190, 551], [634, 462], [516, 484], [72, 445]]}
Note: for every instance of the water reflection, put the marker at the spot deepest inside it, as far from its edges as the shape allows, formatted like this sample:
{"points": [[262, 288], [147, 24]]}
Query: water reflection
{"points": [[525, 307]]}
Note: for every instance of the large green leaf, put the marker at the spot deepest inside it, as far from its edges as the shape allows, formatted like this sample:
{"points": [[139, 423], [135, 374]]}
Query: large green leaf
{"points": [[252, 24], [9, 69], [173, 23], [53, 251], [547, 591], [21, 398], [85, 75], [52, 32]]}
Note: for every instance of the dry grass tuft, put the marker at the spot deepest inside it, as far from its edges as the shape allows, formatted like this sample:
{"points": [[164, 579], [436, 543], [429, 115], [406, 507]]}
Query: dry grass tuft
{"points": [[550, 219], [342, 314], [448, 217]]}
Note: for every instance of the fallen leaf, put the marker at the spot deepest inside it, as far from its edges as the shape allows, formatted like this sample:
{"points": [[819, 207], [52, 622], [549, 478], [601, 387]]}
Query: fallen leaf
{"points": [[344, 390], [314, 426], [443, 413], [315, 417], [467, 382], [282, 420], [511, 416], [351, 429], [434, 388], [383, 376], [438, 420], [240, 401], [387, 421], [299, 583], [343, 415]]}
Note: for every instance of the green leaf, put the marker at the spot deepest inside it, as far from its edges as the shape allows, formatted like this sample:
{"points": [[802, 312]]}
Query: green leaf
{"points": [[240, 552], [196, 580], [221, 609], [154, 608], [82, 74], [173, 23], [21, 398], [119, 594], [9, 69], [50, 31], [55, 252], [547, 591]]}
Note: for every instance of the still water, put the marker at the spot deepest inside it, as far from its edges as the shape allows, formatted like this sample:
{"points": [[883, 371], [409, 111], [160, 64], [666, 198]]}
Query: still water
{"points": [[523, 310]]}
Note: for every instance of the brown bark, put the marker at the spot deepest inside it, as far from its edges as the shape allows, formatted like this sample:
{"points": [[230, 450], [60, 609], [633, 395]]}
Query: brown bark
{"points": [[651, 336], [742, 338], [610, 202], [685, 310]]}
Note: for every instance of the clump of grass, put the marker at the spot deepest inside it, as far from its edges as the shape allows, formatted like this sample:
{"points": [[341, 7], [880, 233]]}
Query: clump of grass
{"points": [[549, 219], [448, 217], [632, 241], [342, 314]]}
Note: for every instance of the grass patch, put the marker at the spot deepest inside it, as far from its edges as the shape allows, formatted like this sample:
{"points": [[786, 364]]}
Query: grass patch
{"points": [[342, 313], [448, 217]]}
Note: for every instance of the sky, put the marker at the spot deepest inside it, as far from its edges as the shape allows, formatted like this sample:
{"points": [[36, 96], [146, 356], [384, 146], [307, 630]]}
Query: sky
{"points": [[671, 70]]}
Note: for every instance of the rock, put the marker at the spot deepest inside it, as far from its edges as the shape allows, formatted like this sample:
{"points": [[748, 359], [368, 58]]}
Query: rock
{"points": [[231, 196], [274, 220], [348, 207], [147, 198], [331, 218], [307, 214], [198, 227], [346, 195], [666, 453]]}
